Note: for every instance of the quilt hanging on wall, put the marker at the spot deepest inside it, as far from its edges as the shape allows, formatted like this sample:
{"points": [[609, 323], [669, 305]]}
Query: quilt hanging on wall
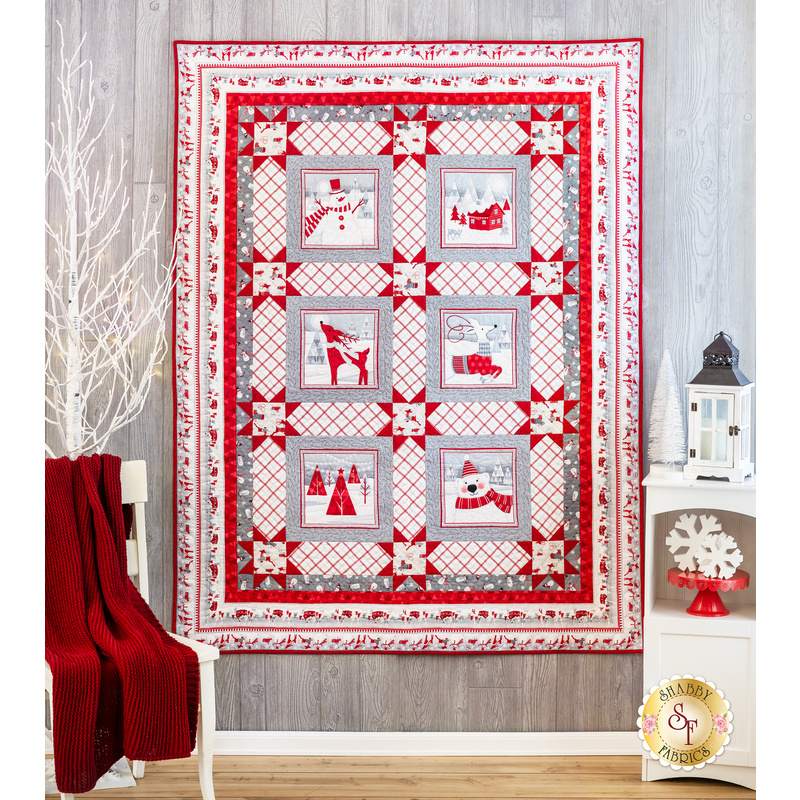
{"points": [[407, 351]]}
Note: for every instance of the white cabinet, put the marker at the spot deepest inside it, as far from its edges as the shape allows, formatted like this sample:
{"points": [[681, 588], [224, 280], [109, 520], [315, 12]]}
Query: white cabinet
{"points": [[719, 649]]}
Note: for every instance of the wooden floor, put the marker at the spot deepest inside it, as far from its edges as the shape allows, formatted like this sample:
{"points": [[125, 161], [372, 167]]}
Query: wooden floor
{"points": [[288, 778]]}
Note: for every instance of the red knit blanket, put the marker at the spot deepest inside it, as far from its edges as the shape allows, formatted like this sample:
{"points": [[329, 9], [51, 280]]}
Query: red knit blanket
{"points": [[121, 684]]}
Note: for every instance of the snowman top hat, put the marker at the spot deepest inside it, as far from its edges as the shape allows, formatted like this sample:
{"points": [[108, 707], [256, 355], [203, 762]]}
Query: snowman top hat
{"points": [[469, 468], [333, 186]]}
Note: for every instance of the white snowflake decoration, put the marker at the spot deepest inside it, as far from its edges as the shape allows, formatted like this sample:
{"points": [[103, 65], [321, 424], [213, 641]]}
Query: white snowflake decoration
{"points": [[684, 539], [718, 556]]}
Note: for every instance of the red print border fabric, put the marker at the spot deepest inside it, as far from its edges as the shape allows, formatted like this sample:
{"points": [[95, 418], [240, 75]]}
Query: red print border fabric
{"points": [[407, 349]]}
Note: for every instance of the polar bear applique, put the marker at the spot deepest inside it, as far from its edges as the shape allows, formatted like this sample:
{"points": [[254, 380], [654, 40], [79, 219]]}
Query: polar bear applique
{"points": [[473, 490]]}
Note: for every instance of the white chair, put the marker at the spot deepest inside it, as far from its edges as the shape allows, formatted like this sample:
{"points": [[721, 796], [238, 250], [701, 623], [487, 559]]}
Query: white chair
{"points": [[134, 491]]}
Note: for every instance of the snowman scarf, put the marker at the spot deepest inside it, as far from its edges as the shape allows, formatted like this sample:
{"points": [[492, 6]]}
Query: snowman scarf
{"points": [[312, 220], [502, 501]]}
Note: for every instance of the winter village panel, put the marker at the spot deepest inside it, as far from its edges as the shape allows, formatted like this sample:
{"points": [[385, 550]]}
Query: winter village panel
{"points": [[407, 333]]}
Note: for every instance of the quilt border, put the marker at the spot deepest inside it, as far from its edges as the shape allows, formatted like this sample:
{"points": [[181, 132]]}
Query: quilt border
{"points": [[638, 124]]}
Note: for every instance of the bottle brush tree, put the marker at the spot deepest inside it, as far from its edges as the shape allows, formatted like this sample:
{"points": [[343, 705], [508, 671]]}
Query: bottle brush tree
{"points": [[666, 439]]}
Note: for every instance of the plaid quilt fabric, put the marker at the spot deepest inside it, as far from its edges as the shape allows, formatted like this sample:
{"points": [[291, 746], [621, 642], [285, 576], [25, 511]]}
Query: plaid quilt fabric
{"points": [[407, 353]]}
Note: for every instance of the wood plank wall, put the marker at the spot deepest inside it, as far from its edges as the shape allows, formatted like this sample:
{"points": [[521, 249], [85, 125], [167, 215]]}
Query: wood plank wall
{"points": [[699, 278]]}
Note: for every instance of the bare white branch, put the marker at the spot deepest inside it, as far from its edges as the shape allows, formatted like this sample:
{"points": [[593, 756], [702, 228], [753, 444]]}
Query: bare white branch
{"points": [[105, 326]]}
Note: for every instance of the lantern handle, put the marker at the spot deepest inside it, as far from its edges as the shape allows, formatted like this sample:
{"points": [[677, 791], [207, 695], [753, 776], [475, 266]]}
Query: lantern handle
{"points": [[722, 333]]}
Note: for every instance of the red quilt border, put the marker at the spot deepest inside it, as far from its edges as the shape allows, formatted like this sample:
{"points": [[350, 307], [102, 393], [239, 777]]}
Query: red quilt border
{"points": [[234, 100]]}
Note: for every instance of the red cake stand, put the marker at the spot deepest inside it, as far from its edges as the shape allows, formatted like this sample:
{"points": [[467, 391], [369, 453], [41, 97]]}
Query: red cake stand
{"points": [[708, 603]]}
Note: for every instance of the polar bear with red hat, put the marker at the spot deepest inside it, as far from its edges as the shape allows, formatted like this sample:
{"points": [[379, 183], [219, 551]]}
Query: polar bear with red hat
{"points": [[476, 501], [334, 221]]}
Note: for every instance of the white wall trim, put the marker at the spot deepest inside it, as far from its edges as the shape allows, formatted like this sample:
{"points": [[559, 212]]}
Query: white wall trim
{"points": [[352, 743]]}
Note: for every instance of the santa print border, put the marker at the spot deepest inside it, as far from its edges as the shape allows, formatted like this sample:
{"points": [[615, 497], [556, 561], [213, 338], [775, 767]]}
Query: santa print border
{"points": [[376, 504], [376, 353], [474, 386], [376, 226], [585, 595], [514, 494], [443, 210]]}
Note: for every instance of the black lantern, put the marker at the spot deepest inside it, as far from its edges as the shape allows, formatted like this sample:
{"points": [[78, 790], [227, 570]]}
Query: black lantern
{"points": [[720, 415]]}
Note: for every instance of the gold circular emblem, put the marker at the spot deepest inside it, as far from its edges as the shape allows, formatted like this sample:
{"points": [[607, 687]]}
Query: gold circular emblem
{"points": [[685, 722]]}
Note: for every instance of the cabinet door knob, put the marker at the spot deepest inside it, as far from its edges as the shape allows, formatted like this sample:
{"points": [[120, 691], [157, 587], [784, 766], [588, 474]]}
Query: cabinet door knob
{"points": [[733, 430]]}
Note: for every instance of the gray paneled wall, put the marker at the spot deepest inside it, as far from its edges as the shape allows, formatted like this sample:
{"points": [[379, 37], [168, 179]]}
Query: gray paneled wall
{"points": [[699, 278]]}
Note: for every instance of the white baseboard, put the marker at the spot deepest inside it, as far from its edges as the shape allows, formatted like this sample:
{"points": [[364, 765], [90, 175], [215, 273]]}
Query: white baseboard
{"points": [[349, 743]]}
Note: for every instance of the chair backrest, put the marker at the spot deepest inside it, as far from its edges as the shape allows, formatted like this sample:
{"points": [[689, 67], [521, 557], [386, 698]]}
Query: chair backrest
{"points": [[133, 477]]}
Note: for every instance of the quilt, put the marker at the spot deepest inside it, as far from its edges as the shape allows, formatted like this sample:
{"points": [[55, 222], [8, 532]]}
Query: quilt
{"points": [[407, 346]]}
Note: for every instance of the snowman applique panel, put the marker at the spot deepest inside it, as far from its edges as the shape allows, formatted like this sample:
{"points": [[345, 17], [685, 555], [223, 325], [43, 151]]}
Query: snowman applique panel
{"points": [[334, 217], [339, 207], [407, 346]]}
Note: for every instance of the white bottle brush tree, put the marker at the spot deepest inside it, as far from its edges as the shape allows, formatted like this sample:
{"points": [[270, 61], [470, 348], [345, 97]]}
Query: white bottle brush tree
{"points": [[666, 440], [104, 322]]}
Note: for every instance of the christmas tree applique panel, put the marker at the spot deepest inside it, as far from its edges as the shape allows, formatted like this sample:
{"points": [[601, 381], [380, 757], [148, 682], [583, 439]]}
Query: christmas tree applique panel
{"points": [[407, 346]]}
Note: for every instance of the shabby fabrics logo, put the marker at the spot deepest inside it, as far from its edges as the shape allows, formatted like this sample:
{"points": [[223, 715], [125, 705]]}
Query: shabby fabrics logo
{"points": [[685, 722]]}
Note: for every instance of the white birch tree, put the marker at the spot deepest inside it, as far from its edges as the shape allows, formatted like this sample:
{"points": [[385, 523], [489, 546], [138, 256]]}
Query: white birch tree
{"points": [[105, 323]]}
